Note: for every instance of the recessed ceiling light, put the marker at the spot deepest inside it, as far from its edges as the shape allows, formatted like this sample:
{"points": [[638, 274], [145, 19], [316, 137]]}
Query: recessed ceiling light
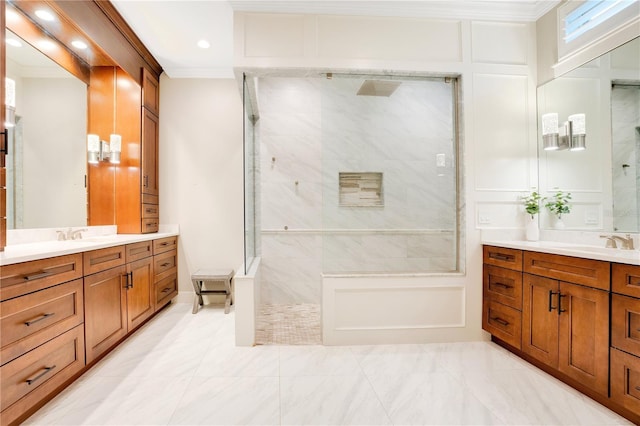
{"points": [[204, 44], [13, 42], [79, 44], [46, 45], [45, 15]]}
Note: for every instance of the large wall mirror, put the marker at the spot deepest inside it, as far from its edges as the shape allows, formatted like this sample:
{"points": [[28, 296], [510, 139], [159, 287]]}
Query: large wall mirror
{"points": [[46, 165], [604, 178]]}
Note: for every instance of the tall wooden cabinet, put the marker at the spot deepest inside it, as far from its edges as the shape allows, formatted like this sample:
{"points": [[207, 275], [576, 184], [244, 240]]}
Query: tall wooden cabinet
{"points": [[150, 150], [125, 194], [3, 141]]}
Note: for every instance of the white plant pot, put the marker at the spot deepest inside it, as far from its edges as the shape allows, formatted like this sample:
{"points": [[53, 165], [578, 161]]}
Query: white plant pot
{"points": [[531, 228], [558, 224]]}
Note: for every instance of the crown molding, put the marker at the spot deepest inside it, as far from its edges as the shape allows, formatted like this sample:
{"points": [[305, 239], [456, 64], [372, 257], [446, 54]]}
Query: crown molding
{"points": [[494, 10]]}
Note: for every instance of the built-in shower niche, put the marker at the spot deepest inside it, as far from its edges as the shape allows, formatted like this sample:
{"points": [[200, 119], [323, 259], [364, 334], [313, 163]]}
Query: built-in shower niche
{"points": [[360, 189]]}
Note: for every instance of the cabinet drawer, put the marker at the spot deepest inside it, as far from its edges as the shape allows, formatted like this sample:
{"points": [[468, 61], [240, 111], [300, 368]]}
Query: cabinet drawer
{"points": [[625, 279], [503, 285], [164, 262], [150, 211], [503, 257], [166, 289], [625, 380], [103, 259], [588, 272], [27, 277], [31, 320], [162, 245], [41, 371], [502, 321], [625, 323], [150, 225], [150, 199], [138, 251]]}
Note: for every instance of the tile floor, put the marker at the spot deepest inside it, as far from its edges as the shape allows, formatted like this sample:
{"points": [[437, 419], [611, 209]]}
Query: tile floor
{"points": [[185, 369]]}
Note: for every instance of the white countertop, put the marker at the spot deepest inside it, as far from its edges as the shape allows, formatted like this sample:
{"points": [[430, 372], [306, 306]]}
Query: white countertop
{"points": [[44, 249], [631, 257]]}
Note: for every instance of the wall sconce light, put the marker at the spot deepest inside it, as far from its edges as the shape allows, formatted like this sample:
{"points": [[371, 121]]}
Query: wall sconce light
{"points": [[578, 132], [550, 132], [98, 150], [574, 133], [115, 142]]}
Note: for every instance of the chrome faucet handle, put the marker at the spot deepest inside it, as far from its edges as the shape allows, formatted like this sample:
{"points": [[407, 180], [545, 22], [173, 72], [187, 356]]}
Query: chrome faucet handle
{"points": [[627, 243], [77, 234], [630, 242], [611, 242], [61, 235]]}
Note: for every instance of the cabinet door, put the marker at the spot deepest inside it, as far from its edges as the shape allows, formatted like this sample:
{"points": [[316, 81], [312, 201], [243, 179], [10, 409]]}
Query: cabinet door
{"points": [[584, 335], [105, 307], [149, 152], [540, 318], [150, 92], [140, 292]]}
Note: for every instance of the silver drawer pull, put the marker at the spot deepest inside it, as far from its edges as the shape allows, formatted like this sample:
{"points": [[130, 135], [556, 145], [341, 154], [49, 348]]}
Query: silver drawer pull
{"points": [[39, 376], [166, 264], [37, 276], [166, 290], [38, 319]]}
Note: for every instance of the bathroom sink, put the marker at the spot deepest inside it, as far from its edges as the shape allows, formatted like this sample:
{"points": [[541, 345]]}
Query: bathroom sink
{"points": [[97, 239], [590, 249], [594, 249]]}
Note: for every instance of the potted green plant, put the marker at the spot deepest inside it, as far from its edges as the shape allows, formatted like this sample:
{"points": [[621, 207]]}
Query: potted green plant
{"points": [[532, 207], [559, 205]]}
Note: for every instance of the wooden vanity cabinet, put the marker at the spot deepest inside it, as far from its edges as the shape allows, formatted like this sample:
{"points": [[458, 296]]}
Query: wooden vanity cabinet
{"points": [[42, 331], [165, 268], [118, 297], [566, 325], [502, 294], [625, 337]]}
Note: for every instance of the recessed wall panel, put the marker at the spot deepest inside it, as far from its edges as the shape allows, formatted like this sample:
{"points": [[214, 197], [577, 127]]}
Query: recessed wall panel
{"points": [[399, 308], [384, 38], [501, 129], [272, 36], [499, 43]]}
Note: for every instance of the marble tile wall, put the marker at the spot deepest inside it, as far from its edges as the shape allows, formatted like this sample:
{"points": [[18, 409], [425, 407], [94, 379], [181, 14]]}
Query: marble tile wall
{"points": [[313, 129], [625, 119]]}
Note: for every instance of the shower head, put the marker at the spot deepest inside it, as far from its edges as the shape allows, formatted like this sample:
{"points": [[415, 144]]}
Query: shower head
{"points": [[378, 88]]}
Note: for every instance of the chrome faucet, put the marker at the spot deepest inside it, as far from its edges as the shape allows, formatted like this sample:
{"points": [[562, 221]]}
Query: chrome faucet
{"points": [[70, 234], [626, 242]]}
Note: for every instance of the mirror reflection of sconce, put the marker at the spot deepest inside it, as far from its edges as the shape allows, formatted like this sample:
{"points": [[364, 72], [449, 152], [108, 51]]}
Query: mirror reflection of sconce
{"points": [[575, 132], [10, 102], [98, 150]]}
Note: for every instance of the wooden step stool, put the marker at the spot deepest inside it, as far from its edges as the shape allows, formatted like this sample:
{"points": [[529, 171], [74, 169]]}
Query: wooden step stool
{"points": [[202, 276]]}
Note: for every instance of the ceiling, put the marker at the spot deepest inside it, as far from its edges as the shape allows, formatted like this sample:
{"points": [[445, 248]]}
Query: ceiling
{"points": [[171, 28]]}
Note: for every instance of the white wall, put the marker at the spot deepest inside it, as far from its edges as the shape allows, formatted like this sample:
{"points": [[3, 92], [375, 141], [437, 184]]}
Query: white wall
{"points": [[201, 172], [499, 137]]}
